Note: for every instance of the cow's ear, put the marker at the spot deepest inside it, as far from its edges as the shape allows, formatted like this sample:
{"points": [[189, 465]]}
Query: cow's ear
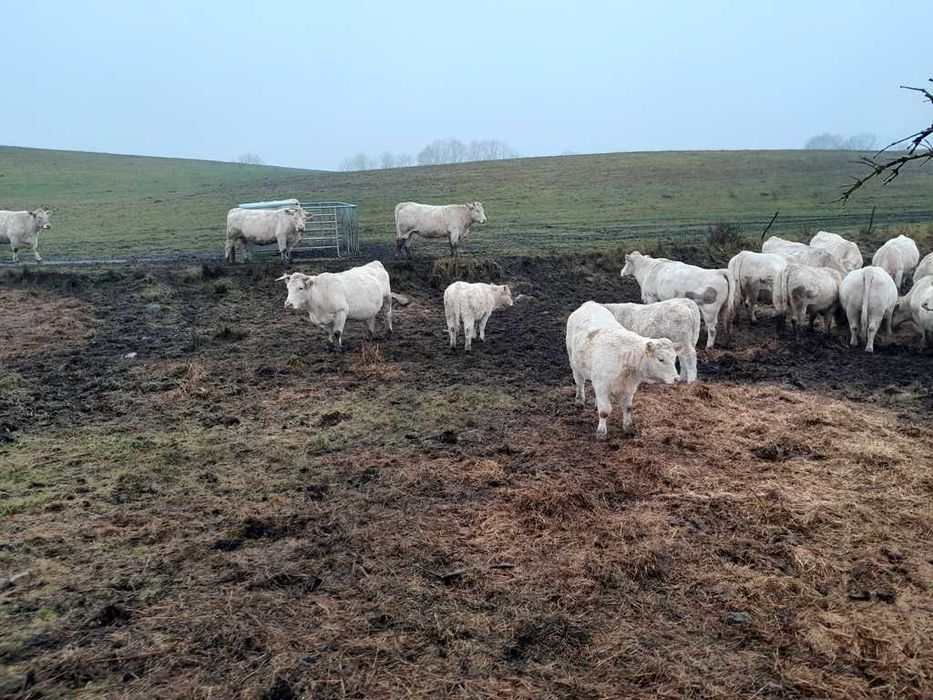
{"points": [[649, 348]]}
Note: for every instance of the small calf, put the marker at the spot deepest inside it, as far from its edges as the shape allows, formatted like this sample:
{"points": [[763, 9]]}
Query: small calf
{"points": [[472, 304]]}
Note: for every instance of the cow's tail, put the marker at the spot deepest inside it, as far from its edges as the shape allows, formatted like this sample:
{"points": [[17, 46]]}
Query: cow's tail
{"points": [[727, 310], [735, 267], [866, 303]]}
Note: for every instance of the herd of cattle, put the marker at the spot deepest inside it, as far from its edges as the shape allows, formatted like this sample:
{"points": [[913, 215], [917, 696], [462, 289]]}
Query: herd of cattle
{"points": [[616, 347]]}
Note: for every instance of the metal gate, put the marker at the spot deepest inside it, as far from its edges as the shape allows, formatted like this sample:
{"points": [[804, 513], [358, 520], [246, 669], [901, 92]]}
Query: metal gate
{"points": [[333, 227]]}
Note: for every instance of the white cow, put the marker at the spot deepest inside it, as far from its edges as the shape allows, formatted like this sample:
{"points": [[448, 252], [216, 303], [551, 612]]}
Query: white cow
{"points": [[21, 229], [925, 268], [331, 299], [661, 279], [263, 226], [802, 254], [917, 306], [450, 221], [754, 272], [801, 291], [678, 320], [615, 361], [846, 252], [898, 257], [472, 305], [868, 296]]}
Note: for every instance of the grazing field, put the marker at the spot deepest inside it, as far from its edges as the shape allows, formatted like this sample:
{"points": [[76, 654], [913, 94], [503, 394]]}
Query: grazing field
{"points": [[207, 502], [105, 205]]}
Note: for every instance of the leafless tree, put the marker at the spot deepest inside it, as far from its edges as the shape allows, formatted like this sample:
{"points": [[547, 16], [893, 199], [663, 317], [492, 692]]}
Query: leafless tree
{"points": [[250, 159], [360, 161], [838, 142], [388, 160], [916, 147]]}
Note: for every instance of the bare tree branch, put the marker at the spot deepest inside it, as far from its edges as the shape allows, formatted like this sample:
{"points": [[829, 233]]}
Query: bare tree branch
{"points": [[920, 149]]}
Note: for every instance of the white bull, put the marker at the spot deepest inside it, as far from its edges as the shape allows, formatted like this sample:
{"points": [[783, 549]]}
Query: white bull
{"points": [[678, 320], [263, 226], [845, 251], [801, 291], [898, 257], [753, 273], [471, 304], [802, 254], [450, 221], [331, 299], [21, 230], [615, 361], [868, 296], [661, 279]]}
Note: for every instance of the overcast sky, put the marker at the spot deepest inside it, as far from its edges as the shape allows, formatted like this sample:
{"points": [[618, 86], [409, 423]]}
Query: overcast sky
{"points": [[308, 83]]}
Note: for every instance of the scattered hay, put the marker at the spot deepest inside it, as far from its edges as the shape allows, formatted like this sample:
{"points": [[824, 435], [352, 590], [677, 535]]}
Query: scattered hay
{"points": [[468, 269]]}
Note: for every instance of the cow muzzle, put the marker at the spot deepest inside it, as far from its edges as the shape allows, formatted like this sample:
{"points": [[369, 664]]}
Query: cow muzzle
{"points": [[289, 305]]}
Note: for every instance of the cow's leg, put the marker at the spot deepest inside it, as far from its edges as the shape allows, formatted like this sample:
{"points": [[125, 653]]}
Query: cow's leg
{"points": [[408, 247], [453, 323], [710, 319], [751, 300], [812, 321], [580, 381], [870, 334], [387, 311], [828, 321], [888, 330], [482, 327], [35, 251], [15, 253], [688, 364], [925, 339], [604, 407], [230, 251], [469, 330], [340, 319], [628, 426], [399, 244], [898, 278], [371, 327]]}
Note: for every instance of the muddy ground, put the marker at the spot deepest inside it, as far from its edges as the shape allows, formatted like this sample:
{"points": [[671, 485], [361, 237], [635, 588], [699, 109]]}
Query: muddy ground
{"points": [[237, 511]]}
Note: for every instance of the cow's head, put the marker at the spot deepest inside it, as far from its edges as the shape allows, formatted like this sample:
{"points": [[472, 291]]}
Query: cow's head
{"points": [[298, 217], [630, 260], [477, 213], [660, 366], [901, 313], [42, 218], [299, 287], [504, 295]]}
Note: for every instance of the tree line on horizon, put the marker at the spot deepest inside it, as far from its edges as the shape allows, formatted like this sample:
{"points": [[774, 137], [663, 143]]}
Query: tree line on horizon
{"points": [[439, 152]]}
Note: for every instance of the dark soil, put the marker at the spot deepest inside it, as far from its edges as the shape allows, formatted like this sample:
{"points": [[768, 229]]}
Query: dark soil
{"points": [[237, 510]]}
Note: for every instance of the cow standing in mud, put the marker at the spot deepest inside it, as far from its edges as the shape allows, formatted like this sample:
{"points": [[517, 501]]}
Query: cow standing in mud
{"points": [[661, 279], [450, 221], [868, 296], [678, 320], [331, 299], [263, 226]]}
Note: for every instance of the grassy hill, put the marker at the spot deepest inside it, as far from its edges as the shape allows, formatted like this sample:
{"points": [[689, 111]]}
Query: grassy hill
{"points": [[109, 204]]}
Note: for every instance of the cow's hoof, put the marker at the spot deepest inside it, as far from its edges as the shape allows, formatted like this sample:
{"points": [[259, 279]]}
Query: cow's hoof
{"points": [[579, 402], [628, 432], [601, 436]]}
